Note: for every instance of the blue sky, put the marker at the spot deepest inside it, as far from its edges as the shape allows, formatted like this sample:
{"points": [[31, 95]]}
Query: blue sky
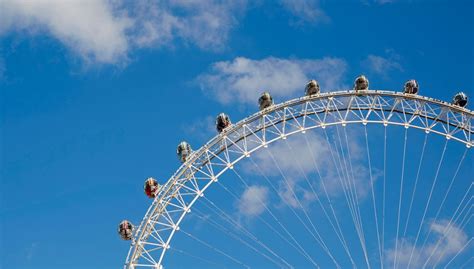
{"points": [[95, 97]]}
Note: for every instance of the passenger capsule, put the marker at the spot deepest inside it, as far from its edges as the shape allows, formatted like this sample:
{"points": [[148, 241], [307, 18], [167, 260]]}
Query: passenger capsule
{"points": [[460, 99], [125, 230], [183, 151], [361, 83], [311, 88], [151, 187], [411, 87], [222, 122], [265, 101]]}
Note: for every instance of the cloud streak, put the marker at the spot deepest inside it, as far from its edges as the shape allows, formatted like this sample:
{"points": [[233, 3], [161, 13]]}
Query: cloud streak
{"points": [[252, 201], [381, 65], [307, 11], [451, 240], [300, 164], [243, 79], [104, 31], [95, 30]]}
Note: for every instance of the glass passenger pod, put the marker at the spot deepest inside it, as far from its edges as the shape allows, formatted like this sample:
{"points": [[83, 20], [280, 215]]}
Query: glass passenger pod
{"points": [[265, 100], [312, 87], [151, 187], [125, 230], [361, 83], [460, 99], [222, 122], [411, 87], [183, 151]]}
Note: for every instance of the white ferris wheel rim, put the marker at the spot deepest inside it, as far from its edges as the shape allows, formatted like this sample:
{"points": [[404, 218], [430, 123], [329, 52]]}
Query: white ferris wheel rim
{"points": [[380, 107]]}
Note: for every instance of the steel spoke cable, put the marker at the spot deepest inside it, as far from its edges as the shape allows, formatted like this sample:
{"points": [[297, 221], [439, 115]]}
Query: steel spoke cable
{"points": [[235, 237], [196, 257], [400, 196], [349, 181], [416, 183], [352, 188], [342, 181], [316, 195], [262, 220], [346, 187], [221, 213], [249, 234], [373, 196], [448, 229], [340, 234], [446, 195], [216, 249], [318, 238], [289, 206], [352, 177], [383, 191], [466, 220], [348, 197], [461, 250], [451, 183], [467, 262], [300, 249], [454, 218], [428, 203], [345, 183]]}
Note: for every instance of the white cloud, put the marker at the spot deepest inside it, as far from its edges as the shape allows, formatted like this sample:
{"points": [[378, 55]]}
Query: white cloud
{"points": [[95, 30], [253, 201], [306, 10], [297, 165], [384, 1], [379, 2], [244, 79], [383, 65], [294, 194], [104, 31], [202, 129], [204, 23], [452, 239]]}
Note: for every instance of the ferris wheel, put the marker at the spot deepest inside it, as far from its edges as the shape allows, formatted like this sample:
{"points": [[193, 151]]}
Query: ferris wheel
{"points": [[348, 179]]}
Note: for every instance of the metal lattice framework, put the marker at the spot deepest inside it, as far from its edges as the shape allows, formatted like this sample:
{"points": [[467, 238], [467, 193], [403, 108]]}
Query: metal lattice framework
{"points": [[174, 200]]}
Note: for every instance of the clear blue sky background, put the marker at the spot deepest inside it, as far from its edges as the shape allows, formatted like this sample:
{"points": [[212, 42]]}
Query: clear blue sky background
{"points": [[80, 134]]}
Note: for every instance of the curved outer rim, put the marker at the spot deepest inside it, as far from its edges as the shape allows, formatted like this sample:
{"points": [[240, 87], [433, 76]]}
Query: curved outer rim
{"points": [[171, 189]]}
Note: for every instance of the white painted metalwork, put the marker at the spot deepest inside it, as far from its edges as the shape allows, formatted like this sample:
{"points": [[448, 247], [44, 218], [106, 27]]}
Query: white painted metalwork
{"points": [[203, 167]]}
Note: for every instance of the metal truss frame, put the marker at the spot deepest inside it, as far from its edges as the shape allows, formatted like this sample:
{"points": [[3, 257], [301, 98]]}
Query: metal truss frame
{"points": [[153, 236]]}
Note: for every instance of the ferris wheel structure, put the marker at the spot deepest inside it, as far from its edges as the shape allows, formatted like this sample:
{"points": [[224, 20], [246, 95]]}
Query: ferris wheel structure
{"points": [[174, 200]]}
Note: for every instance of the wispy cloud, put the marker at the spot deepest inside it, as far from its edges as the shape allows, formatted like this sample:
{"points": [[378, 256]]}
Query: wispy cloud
{"points": [[252, 201], [202, 129], [306, 11], [244, 79], [451, 240], [300, 163], [379, 2], [95, 30], [205, 24], [105, 31], [31, 250], [383, 65]]}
